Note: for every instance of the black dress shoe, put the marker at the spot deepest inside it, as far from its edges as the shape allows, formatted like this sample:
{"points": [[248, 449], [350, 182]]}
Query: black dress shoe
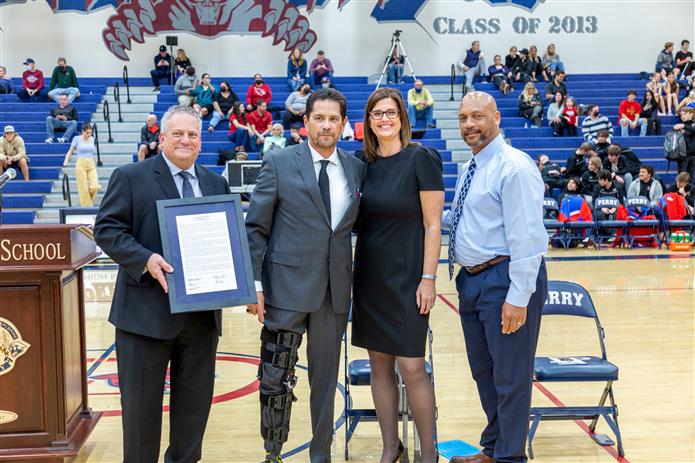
{"points": [[401, 449]]}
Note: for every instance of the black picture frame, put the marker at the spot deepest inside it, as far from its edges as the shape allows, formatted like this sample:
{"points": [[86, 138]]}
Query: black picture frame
{"points": [[181, 302]]}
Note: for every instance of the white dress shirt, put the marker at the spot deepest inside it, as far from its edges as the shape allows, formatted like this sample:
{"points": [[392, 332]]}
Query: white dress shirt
{"points": [[503, 216], [340, 190], [178, 180]]}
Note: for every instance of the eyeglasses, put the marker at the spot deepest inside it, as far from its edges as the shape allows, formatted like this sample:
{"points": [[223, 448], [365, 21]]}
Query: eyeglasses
{"points": [[378, 115]]}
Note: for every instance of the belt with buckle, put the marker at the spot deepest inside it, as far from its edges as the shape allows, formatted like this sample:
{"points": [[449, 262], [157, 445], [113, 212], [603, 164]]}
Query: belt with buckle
{"points": [[476, 269]]}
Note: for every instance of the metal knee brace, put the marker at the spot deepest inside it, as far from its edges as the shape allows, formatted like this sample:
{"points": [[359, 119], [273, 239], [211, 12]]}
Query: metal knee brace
{"points": [[279, 349]]}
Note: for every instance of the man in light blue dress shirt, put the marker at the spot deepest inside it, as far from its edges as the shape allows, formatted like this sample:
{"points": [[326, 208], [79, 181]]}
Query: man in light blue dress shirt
{"points": [[498, 238]]}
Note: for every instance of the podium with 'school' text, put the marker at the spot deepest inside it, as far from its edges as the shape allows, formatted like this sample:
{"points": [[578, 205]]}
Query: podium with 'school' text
{"points": [[44, 415]]}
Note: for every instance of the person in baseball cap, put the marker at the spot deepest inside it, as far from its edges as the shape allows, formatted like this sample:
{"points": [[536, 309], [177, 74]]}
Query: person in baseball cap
{"points": [[32, 83], [13, 152], [162, 68]]}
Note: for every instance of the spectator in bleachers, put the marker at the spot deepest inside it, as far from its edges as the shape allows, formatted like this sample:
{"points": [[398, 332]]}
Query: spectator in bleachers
{"points": [[149, 138], [5, 82], [296, 69], [222, 104], [295, 137], [665, 63], [554, 114], [13, 152], [687, 102], [257, 91], [650, 113], [32, 83], [594, 123], [420, 101], [185, 87], [657, 88], [63, 116], [530, 104], [601, 144], [537, 64], [629, 113], [394, 68], [327, 83], [685, 188], [606, 188], [572, 187], [295, 105], [240, 132], [260, 122], [556, 85], [618, 166], [472, 64], [634, 163], [320, 67], [182, 62], [500, 75], [551, 61], [523, 70], [687, 126], [551, 172], [63, 82], [671, 89], [204, 96], [589, 178], [647, 186], [684, 60], [511, 60], [579, 160], [275, 140], [162, 68], [85, 167], [570, 117]]}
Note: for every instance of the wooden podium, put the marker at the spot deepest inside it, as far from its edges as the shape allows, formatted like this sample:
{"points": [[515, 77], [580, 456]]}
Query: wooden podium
{"points": [[44, 415]]}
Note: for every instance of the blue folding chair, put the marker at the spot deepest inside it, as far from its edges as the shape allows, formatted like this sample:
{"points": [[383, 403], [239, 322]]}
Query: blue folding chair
{"points": [[648, 228], [669, 225], [554, 227], [358, 373], [577, 230], [566, 298], [607, 229]]}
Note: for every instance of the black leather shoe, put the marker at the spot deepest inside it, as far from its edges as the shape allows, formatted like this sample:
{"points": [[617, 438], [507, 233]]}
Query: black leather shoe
{"points": [[401, 449]]}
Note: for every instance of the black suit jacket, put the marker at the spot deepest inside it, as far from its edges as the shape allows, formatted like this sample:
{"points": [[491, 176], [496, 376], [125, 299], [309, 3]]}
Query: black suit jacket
{"points": [[127, 229]]}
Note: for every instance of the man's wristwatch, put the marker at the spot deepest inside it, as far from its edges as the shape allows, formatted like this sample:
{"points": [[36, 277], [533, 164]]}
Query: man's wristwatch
{"points": [[429, 276]]}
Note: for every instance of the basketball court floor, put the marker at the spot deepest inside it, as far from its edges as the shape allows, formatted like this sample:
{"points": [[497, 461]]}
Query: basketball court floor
{"points": [[645, 300]]}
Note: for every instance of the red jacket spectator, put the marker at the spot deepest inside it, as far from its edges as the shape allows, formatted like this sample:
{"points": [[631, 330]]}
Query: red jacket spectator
{"points": [[258, 92], [571, 114], [32, 80], [629, 109], [261, 121]]}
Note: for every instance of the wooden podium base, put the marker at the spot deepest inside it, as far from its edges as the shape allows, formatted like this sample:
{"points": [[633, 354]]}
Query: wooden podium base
{"points": [[84, 424]]}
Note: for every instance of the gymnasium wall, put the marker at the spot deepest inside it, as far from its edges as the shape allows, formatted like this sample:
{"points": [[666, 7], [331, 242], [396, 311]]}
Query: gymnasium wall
{"points": [[591, 36]]}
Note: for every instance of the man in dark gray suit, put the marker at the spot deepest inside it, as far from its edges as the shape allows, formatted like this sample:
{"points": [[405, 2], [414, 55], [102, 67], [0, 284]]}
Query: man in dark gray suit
{"points": [[299, 222], [148, 335]]}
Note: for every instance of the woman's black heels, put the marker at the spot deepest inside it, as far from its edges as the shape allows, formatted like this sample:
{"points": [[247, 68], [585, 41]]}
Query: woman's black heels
{"points": [[401, 449]]}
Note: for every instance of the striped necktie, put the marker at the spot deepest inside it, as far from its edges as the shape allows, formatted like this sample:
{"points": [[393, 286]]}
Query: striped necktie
{"points": [[458, 211]]}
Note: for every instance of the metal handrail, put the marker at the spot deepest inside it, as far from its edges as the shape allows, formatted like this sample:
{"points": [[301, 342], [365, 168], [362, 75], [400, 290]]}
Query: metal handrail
{"points": [[117, 97], [66, 190], [453, 78], [107, 118], [126, 82], [96, 142]]}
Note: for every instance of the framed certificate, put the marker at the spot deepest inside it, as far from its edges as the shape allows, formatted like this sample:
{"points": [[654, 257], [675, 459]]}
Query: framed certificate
{"points": [[204, 239]]}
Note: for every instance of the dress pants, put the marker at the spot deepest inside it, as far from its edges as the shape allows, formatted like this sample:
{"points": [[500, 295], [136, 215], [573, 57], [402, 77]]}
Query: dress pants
{"points": [[142, 368], [501, 364], [325, 331]]}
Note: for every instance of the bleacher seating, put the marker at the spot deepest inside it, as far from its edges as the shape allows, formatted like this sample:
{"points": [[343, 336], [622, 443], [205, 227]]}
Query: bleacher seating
{"points": [[22, 199]]}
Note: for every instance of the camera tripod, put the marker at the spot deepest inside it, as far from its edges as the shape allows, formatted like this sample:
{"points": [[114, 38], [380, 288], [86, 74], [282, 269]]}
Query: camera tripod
{"points": [[398, 46]]}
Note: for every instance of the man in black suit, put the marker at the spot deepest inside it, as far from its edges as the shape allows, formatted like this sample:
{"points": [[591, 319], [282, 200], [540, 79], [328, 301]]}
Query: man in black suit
{"points": [[148, 335]]}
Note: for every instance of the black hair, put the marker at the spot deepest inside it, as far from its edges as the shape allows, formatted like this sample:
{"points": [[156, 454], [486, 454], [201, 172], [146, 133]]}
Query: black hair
{"points": [[86, 126], [684, 41], [631, 92], [648, 168], [190, 71], [605, 174], [330, 94]]}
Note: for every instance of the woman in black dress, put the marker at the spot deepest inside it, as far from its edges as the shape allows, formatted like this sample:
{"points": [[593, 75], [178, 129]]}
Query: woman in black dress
{"points": [[396, 257]]}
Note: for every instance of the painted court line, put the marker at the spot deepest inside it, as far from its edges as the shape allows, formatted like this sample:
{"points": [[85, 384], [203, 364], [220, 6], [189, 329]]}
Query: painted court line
{"points": [[583, 426]]}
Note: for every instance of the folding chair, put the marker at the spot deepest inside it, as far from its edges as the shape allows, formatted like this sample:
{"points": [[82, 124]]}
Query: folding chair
{"points": [[551, 211], [566, 298], [358, 373], [577, 218], [644, 223], [607, 228], [670, 225]]}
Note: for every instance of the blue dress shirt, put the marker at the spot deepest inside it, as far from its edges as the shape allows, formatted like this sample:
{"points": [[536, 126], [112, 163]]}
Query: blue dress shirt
{"points": [[178, 180], [503, 216]]}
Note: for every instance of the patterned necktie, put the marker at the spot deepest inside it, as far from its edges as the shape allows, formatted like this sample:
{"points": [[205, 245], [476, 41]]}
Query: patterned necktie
{"points": [[187, 188], [325, 187], [458, 211]]}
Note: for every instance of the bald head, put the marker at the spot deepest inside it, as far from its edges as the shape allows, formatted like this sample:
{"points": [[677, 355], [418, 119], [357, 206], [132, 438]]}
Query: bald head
{"points": [[479, 120], [151, 120]]}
